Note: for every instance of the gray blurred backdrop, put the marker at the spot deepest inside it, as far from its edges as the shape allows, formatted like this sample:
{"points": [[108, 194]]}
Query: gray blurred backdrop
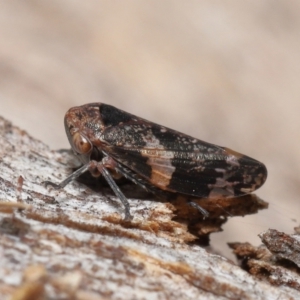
{"points": [[226, 72]]}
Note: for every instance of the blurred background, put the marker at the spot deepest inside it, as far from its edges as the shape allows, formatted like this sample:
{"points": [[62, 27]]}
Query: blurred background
{"points": [[226, 72]]}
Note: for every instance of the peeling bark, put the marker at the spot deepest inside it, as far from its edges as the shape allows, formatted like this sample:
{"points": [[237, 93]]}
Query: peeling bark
{"points": [[276, 262]]}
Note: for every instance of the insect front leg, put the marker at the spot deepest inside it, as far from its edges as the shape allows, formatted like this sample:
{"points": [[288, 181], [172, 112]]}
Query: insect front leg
{"points": [[73, 176], [97, 168]]}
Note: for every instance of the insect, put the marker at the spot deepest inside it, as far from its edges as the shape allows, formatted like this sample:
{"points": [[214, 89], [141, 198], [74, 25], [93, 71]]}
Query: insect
{"points": [[113, 143]]}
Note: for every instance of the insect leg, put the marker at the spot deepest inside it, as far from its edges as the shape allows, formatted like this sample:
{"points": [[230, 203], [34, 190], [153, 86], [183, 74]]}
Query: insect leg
{"points": [[73, 176], [92, 166], [101, 166], [203, 211]]}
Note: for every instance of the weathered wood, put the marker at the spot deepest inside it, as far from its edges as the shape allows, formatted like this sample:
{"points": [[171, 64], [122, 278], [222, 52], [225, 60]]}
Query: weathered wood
{"points": [[73, 244]]}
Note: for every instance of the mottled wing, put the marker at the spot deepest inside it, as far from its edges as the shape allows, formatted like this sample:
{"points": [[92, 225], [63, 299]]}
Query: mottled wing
{"points": [[175, 162]]}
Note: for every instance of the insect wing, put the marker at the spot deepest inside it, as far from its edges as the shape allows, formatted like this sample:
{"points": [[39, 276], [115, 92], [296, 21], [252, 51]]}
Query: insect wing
{"points": [[176, 162]]}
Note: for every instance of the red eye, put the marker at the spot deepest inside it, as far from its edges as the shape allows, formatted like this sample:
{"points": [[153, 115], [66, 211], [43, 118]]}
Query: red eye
{"points": [[81, 144]]}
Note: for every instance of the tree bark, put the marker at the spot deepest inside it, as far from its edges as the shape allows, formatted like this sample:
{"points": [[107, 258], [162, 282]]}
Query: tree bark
{"points": [[74, 244]]}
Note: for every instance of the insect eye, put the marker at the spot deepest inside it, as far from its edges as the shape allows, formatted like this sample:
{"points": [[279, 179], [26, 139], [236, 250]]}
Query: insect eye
{"points": [[81, 144]]}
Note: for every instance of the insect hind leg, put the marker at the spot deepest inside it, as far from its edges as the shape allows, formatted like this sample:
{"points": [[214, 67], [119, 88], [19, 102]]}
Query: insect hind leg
{"points": [[203, 211]]}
